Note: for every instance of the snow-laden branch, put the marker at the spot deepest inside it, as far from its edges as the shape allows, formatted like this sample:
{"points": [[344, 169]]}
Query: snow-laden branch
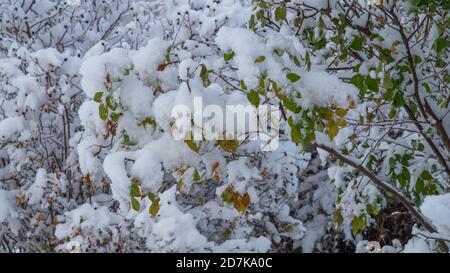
{"points": [[387, 189]]}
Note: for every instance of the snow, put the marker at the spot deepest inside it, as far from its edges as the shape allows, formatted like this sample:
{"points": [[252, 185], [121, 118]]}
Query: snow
{"points": [[5, 206], [89, 117], [148, 169], [247, 47], [239, 173], [174, 229], [147, 59], [417, 245], [315, 230], [436, 208], [321, 88], [95, 69], [44, 60], [86, 149], [136, 96], [260, 244], [114, 166], [10, 127], [85, 217], [36, 191]]}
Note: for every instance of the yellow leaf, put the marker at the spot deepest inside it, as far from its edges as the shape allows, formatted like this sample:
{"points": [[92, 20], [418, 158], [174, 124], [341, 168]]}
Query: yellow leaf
{"points": [[154, 209], [341, 122], [239, 206], [229, 146], [394, 47], [341, 112], [180, 184], [327, 113], [191, 144], [333, 129]]}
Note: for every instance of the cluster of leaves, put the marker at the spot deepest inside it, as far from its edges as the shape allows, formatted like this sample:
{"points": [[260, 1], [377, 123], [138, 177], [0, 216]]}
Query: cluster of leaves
{"points": [[137, 195], [239, 202]]}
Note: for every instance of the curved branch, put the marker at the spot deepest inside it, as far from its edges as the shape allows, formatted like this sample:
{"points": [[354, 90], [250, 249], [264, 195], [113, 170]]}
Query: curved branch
{"points": [[385, 187]]}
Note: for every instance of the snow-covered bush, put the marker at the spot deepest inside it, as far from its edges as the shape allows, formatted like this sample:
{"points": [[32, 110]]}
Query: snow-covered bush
{"points": [[88, 134], [232, 192], [42, 45], [389, 129]]}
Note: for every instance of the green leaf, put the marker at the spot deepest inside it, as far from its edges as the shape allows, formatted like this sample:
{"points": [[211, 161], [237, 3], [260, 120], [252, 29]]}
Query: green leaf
{"points": [[103, 111], [420, 147], [152, 197], [398, 99], [387, 81], [337, 217], [134, 190], [228, 56], [253, 98], [405, 159], [358, 224], [420, 185], [242, 84], [293, 77], [357, 43], [135, 205], [426, 175], [296, 135], [372, 84], [280, 13], [226, 197], [261, 18], [388, 95], [417, 60], [440, 44], [358, 81], [252, 22], [110, 103], [373, 209], [115, 116], [308, 61], [320, 44], [392, 112], [406, 174], [204, 75], [168, 54], [148, 121], [196, 176], [98, 96], [260, 59], [278, 52], [401, 180], [372, 160], [126, 139], [291, 105]]}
